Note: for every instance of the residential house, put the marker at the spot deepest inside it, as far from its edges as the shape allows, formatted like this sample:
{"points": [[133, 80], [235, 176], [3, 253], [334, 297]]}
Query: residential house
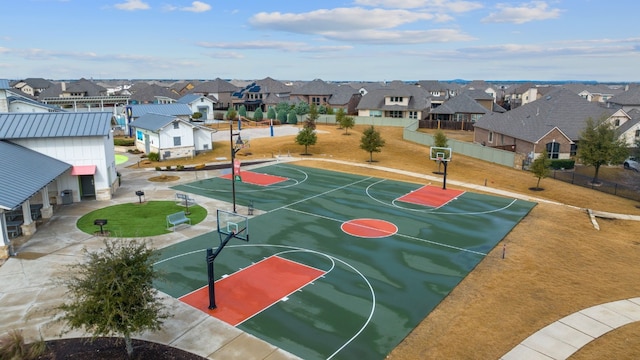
{"points": [[627, 100], [199, 104], [600, 93], [262, 94], [484, 86], [553, 123], [151, 94], [395, 100], [439, 91], [463, 108], [81, 95], [171, 136], [219, 90], [628, 126], [32, 86], [132, 112]]}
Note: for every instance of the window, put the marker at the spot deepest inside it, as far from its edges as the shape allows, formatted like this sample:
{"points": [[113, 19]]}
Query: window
{"points": [[574, 150], [177, 141], [637, 133], [176, 125], [490, 136], [553, 149], [139, 135], [395, 114], [413, 114], [396, 99], [616, 122]]}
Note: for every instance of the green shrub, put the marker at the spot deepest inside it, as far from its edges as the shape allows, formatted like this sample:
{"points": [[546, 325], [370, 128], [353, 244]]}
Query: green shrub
{"points": [[168, 167], [180, 167], [154, 156], [158, 168], [123, 142], [558, 164]]}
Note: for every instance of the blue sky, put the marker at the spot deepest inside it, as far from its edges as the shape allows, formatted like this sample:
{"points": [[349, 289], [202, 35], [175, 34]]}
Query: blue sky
{"points": [[332, 40]]}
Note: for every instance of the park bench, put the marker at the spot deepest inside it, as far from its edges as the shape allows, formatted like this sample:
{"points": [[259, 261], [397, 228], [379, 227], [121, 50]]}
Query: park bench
{"points": [[176, 219]]}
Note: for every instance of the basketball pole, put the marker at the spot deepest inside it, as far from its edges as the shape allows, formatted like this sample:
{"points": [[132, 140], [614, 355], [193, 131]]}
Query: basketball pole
{"points": [[211, 256], [444, 180]]}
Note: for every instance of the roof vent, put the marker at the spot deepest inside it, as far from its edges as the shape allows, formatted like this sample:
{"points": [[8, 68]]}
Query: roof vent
{"points": [[548, 97]]}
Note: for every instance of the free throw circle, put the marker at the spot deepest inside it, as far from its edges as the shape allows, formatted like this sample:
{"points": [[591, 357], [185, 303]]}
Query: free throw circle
{"points": [[369, 228]]}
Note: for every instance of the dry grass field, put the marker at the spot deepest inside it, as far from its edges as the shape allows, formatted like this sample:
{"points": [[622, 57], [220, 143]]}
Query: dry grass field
{"points": [[556, 262]]}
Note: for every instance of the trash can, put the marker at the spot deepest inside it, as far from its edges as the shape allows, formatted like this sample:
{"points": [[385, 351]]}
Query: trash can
{"points": [[67, 197]]}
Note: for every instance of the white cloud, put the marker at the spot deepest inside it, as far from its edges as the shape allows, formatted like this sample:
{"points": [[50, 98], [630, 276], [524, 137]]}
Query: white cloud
{"points": [[131, 5], [400, 37], [197, 6], [338, 19], [435, 5], [532, 11]]}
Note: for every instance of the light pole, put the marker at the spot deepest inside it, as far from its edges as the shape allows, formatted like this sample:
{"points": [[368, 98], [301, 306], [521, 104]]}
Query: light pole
{"points": [[235, 147]]}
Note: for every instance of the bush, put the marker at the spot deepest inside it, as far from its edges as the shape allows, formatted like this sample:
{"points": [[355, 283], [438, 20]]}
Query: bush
{"points": [[180, 167], [168, 167], [123, 142], [158, 168], [12, 346], [558, 164], [154, 156]]}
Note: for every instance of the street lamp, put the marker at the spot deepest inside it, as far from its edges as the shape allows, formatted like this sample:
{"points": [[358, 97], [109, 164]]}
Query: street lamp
{"points": [[235, 147]]}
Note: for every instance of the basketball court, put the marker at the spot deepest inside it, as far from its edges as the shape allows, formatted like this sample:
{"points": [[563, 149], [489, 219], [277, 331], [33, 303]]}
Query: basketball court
{"points": [[339, 265]]}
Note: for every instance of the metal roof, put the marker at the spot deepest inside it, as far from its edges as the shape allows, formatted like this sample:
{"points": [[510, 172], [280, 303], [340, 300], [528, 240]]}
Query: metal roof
{"points": [[153, 122], [4, 84], [162, 109], [24, 173], [47, 125]]}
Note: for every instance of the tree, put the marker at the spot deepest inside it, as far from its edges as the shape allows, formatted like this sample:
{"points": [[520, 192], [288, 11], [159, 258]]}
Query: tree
{"points": [[541, 168], [371, 141], [257, 115], [310, 122], [322, 109], [196, 115], [283, 105], [242, 111], [282, 116], [340, 114], [112, 293], [599, 145], [307, 136], [440, 140], [302, 108], [292, 118], [231, 114], [271, 113], [347, 123]]}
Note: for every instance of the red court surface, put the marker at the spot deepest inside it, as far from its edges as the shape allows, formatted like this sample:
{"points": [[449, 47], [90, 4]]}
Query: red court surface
{"points": [[431, 196], [247, 292], [369, 228], [255, 178]]}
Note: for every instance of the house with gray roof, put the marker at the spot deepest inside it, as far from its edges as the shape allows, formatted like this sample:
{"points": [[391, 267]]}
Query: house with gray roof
{"points": [[627, 100], [131, 112], [75, 159], [152, 94], [553, 122], [171, 136], [18, 103], [32, 86], [220, 89], [395, 100], [460, 108], [199, 104], [262, 94]]}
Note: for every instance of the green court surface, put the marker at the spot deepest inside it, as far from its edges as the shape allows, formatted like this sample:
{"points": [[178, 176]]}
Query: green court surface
{"points": [[375, 290], [121, 159]]}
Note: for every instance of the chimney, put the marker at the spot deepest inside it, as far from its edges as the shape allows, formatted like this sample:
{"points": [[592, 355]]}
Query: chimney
{"points": [[63, 86]]}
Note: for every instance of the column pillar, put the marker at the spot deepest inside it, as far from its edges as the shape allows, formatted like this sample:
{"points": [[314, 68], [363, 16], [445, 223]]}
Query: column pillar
{"points": [[47, 209], [29, 226]]}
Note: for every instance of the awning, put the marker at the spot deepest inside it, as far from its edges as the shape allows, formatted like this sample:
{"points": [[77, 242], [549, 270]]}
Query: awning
{"points": [[83, 170]]}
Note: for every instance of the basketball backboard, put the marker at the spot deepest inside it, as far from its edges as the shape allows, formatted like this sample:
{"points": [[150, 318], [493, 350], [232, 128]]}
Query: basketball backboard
{"points": [[237, 224], [440, 153]]}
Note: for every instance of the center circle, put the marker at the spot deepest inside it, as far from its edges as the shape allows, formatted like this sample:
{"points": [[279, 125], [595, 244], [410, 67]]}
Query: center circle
{"points": [[369, 228]]}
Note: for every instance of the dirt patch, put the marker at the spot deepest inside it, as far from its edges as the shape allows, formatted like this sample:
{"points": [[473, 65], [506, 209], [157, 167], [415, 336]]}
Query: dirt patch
{"points": [[164, 178]]}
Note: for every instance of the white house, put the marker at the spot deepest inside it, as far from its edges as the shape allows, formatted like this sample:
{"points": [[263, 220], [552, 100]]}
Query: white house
{"points": [[171, 136], [199, 103], [52, 158]]}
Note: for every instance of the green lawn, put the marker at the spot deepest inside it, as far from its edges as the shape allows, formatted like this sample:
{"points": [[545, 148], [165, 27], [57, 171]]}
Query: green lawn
{"points": [[138, 219]]}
